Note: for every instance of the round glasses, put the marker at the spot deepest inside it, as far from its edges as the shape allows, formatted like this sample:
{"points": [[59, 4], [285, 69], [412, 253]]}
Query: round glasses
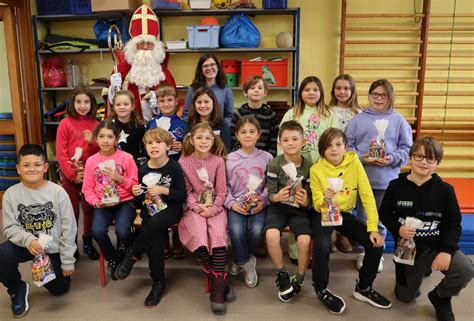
{"points": [[212, 65], [419, 158], [383, 96]]}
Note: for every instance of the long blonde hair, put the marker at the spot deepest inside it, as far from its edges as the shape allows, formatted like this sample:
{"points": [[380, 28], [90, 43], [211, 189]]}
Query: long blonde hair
{"points": [[217, 148]]}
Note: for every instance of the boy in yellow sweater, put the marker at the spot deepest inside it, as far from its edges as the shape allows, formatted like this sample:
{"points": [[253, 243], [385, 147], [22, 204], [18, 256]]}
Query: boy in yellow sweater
{"points": [[336, 162]]}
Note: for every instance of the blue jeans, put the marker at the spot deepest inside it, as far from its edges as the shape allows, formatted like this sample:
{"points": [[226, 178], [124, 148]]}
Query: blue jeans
{"points": [[11, 255], [245, 232], [123, 215]]}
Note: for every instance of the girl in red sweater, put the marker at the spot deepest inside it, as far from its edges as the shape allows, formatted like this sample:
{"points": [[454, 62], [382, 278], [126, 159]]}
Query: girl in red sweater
{"points": [[75, 144]]}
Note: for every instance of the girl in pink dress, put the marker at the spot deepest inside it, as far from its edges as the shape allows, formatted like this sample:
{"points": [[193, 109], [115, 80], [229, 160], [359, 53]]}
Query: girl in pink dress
{"points": [[203, 227]]}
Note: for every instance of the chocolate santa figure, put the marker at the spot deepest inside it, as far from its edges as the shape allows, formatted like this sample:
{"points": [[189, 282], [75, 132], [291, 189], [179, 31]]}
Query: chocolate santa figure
{"points": [[144, 68]]}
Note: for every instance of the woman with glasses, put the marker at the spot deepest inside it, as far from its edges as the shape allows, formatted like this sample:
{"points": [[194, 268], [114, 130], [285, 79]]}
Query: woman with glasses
{"points": [[209, 74], [361, 131]]}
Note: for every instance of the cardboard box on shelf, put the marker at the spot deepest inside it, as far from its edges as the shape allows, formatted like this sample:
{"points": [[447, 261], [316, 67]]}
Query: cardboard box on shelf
{"points": [[115, 5]]}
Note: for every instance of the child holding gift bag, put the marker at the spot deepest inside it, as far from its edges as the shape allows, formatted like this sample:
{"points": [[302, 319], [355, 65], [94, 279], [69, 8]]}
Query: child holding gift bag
{"points": [[32, 208], [336, 163], [203, 227], [108, 179], [247, 196], [422, 194], [75, 144], [381, 138]]}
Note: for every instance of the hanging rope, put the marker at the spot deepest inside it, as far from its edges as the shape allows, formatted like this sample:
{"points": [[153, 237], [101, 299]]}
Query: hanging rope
{"points": [[417, 19], [449, 74]]}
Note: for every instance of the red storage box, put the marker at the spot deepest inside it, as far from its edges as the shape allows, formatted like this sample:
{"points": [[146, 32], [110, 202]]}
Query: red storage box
{"points": [[230, 66], [275, 73]]}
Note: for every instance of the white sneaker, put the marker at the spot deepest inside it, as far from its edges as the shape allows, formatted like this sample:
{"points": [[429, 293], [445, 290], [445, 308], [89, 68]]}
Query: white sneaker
{"points": [[234, 269], [380, 268], [251, 277], [360, 261]]}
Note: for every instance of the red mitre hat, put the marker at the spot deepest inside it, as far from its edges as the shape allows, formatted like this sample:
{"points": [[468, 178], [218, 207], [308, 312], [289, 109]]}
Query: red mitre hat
{"points": [[144, 22]]}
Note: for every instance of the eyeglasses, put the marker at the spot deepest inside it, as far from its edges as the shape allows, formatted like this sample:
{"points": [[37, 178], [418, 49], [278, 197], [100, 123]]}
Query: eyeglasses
{"points": [[419, 158], [213, 65], [383, 96]]}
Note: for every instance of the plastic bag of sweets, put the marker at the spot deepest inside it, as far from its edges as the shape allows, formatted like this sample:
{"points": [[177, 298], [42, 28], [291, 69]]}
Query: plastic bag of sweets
{"points": [[330, 214], [110, 195], [154, 204], [405, 251], [206, 197], [249, 200], [377, 144], [76, 164], [41, 266], [294, 182]]}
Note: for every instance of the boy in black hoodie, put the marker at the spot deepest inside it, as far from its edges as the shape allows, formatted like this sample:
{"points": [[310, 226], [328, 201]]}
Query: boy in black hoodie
{"points": [[423, 195]]}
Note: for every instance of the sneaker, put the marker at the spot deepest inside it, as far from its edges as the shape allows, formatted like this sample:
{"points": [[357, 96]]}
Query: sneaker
{"points": [[251, 277], [125, 267], [19, 298], [234, 269], [360, 262], [296, 286], [372, 297], [285, 289], [112, 267], [156, 292], [88, 247], [334, 303], [444, 310]]}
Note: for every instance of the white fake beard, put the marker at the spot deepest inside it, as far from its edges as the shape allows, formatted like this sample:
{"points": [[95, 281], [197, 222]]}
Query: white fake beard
{"points": [[146, 68]]}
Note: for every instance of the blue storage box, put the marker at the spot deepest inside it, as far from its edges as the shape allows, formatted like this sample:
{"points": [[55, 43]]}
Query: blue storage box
{"points": [[275, 4], [203, 37], [63, 7], [164, 4]]}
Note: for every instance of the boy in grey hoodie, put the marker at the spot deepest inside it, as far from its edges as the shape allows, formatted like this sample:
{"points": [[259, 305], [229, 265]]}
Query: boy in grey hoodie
{"points": [[35, 206]]}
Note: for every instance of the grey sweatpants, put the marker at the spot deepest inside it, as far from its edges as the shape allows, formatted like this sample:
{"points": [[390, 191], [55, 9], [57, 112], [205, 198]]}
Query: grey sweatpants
{"points": [[409, 278]]}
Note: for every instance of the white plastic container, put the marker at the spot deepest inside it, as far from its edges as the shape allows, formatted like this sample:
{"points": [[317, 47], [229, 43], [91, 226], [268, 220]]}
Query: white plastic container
{"points": [[176, 44], [200, 4]]}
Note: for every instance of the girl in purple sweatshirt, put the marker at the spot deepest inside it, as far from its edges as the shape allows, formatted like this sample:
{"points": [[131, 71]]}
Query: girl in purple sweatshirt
{"points": [[398, 139], [247, 197]]}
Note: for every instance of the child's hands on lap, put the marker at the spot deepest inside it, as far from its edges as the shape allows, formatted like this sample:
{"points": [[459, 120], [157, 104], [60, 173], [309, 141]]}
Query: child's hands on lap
{"points": [[236, 207], [260, 206], [204, 210], [441, 261], [377, 239], [407, 233], [302, 197], [382, 162], [35, 248], [282, 195]]}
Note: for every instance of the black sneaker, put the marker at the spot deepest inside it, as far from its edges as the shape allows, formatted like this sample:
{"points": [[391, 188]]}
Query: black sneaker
{"points": [[334, 303], [285, 289], [88, 247], [156, 292], [19, 298], [296, 286], [125, 267], [372, 297], [112, 267], [444, 310]]}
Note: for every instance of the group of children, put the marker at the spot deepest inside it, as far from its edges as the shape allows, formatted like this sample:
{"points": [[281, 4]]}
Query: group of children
{"points": [[241, 186]]}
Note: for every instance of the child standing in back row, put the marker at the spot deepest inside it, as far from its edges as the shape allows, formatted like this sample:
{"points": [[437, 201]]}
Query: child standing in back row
{"points": [[256, 89], [345, 104], [361, 132], [130, 125], [74, 135]]}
